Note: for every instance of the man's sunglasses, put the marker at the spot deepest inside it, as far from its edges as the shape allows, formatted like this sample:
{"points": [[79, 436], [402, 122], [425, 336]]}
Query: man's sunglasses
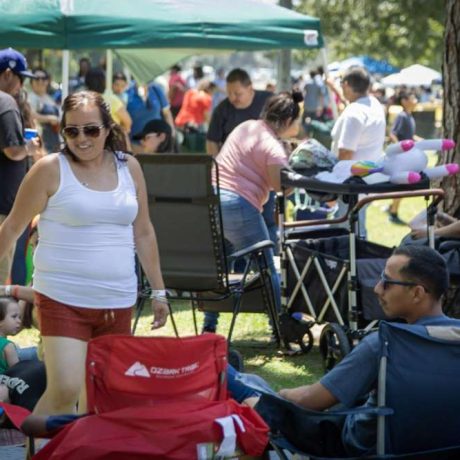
{"points": [[88, 130], [386, 282]]}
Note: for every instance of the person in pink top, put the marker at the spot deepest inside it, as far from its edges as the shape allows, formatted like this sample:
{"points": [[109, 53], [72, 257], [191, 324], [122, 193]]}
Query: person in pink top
{"points": [[249, 165], [177, 88]]}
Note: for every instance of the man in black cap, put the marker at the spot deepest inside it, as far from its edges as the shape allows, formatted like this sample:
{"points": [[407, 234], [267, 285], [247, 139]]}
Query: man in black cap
{"points": [[13, 149]]}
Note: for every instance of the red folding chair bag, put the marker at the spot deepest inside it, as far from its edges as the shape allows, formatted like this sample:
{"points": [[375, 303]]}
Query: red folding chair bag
{"points": [[182, 430], [124, 371]]}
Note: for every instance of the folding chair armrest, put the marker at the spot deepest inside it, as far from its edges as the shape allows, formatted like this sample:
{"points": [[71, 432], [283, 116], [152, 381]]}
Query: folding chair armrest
{"points": [[253, 249], [448, 245]]}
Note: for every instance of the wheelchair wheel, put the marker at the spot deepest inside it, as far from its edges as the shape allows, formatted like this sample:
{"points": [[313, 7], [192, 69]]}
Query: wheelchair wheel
{"points": [[333, 345]]}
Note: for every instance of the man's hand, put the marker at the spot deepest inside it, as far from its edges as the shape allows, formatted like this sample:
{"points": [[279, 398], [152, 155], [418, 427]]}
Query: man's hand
{"points": [[160, 313], [417, 234]]}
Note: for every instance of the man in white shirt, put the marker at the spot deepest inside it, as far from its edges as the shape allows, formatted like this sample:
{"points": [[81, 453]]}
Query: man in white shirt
{"points": [[359, 132]]}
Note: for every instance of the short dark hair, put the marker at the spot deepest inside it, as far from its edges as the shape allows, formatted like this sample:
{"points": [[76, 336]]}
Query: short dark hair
{"points": [[240, 76], [358, 79], [119, 76], [425, 266], [403, 95], [280, 108], [95, 80]]}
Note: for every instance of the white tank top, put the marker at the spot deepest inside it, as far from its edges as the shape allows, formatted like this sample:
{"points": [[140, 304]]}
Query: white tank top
{"points": [[85, 253]]}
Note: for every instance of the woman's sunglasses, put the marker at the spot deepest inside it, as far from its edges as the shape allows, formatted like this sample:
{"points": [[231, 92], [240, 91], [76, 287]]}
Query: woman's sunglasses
{"points": [[88, 130], [387, 282]]}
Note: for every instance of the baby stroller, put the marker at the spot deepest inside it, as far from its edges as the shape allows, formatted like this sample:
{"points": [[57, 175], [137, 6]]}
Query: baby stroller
{"points": [[328, 273]]}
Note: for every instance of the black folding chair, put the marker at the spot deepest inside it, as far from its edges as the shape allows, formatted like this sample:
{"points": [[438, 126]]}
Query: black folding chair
{"points": [[185, 210]]}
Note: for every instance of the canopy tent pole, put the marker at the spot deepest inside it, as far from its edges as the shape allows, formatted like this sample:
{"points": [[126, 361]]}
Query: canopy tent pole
{"points": [[65, 73], [284, 71], [335, 110], [108, 71], [284, 60]]}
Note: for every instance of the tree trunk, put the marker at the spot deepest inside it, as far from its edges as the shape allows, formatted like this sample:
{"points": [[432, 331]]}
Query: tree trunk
{"points": [[451, 123], [451, 101]]}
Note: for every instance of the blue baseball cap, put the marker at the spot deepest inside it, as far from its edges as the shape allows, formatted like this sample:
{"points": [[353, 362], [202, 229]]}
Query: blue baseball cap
{"points": [[15, 61]]}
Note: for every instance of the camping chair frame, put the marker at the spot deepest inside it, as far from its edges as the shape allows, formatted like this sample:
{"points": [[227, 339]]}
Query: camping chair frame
{"points": [[195, 194]]}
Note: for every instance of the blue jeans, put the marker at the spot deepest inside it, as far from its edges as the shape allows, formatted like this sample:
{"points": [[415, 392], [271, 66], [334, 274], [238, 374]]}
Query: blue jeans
{"points": [[242, 386], [244, 226], [27, 353], [268, 213]]}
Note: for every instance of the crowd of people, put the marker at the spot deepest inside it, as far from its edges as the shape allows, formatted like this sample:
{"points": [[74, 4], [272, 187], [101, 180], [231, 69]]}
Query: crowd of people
{"points": [[81, 176]]}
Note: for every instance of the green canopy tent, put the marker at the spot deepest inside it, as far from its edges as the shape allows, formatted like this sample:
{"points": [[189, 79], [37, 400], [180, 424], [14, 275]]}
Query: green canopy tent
{"points": [[178, 27]]}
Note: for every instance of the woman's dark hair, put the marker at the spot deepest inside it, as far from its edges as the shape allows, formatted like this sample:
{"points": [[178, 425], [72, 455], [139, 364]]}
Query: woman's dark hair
{"points": [[281, 108], [426, 266], [4, 302], [168, 145], [115, 140]]}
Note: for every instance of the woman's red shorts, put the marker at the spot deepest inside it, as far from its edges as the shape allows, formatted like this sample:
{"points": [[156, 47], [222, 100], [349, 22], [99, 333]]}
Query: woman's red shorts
{"points": [[61, 320]]}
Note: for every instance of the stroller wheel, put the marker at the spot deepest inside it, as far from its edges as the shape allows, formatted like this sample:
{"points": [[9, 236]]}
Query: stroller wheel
{"points": [[306, 342], [301, 344], [296, 334], [333, 345]]}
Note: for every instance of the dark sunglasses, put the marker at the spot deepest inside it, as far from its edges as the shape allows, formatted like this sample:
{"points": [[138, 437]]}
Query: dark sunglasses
{"points": [[89, 130], [386, 282]]}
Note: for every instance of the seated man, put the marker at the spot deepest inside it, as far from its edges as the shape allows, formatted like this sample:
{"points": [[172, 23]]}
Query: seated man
{"points": [[412, 284]]}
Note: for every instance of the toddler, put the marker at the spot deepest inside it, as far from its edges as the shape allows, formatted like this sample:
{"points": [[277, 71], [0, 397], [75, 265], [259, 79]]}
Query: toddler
{"points": [[10, 324]]}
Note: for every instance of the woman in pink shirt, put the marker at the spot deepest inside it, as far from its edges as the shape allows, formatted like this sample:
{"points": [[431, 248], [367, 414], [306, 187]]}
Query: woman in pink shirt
{"points": [[249, 165]]}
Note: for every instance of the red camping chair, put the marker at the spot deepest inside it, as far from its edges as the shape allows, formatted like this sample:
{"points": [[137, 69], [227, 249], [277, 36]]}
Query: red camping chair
{"points": [[157, 398], [124, 371]]}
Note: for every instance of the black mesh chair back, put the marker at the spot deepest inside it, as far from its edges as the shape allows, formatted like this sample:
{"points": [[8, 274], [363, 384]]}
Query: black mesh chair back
{"points": [[184, 209]]}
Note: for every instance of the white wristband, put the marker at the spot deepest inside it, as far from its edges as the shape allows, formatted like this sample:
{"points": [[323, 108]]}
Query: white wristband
{"points": [[158, 293], [8, 290]]}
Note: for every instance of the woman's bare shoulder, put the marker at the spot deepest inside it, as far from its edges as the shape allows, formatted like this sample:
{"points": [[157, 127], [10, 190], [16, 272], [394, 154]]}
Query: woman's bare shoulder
{"points": [[46, 171]]}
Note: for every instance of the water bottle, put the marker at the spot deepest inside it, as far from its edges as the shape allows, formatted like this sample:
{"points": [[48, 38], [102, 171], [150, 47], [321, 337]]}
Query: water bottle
{"points": [[30, 134]]}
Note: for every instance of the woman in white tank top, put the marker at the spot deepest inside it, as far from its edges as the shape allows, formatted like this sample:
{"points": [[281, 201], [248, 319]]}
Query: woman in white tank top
{"points": [[94, 216]]}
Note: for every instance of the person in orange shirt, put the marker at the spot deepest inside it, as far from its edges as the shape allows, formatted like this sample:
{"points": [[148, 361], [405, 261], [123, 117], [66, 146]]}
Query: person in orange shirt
{"points": [[196, 107]]}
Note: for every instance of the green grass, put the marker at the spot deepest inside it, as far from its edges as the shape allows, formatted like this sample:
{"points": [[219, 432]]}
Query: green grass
{"points": [[251, 336]]}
